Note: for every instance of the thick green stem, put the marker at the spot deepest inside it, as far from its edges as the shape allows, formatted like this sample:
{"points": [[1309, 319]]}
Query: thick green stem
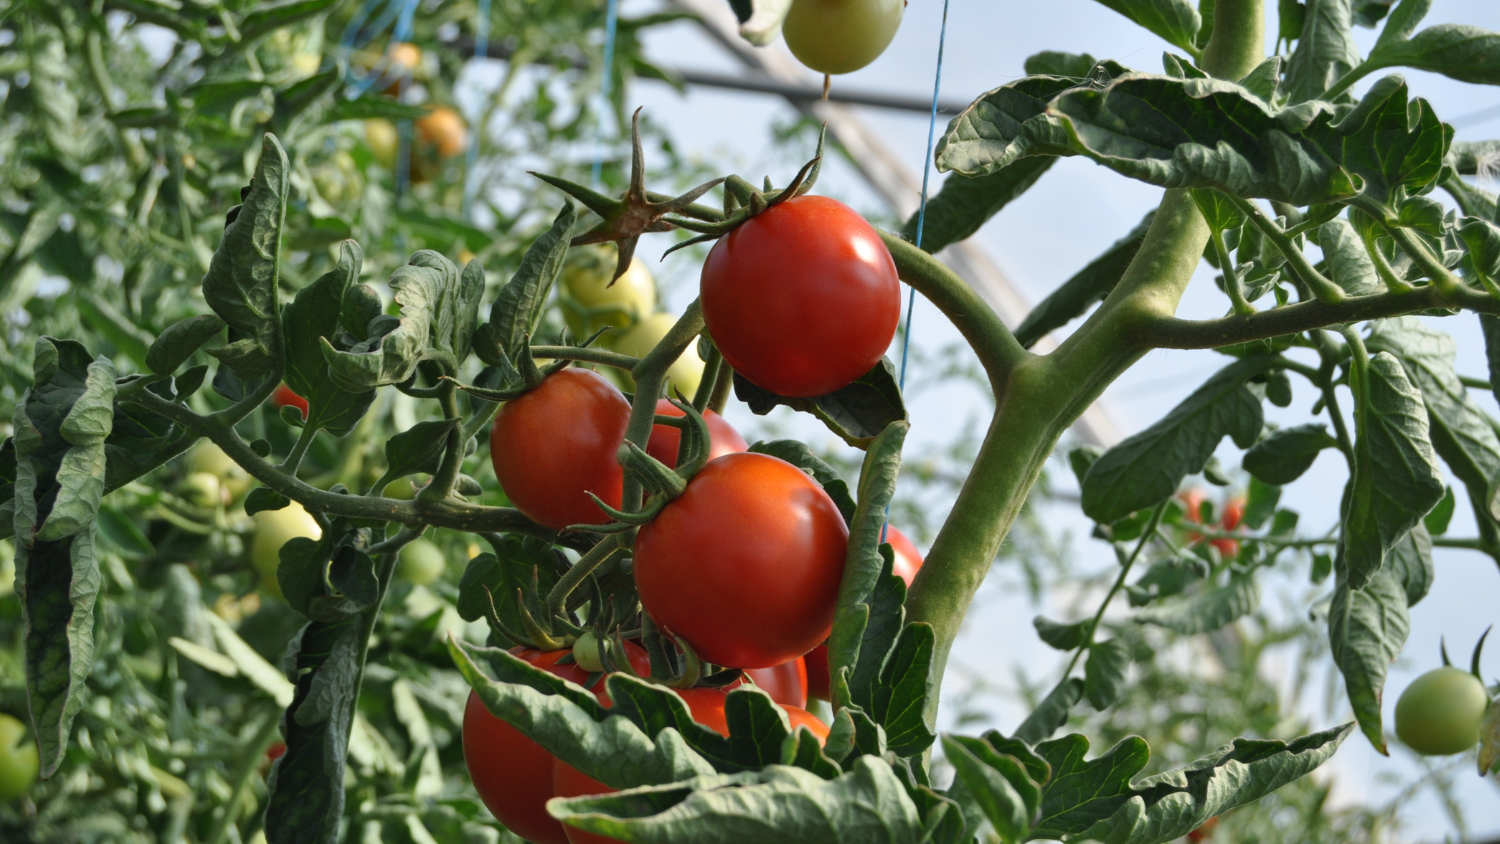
{"points": [[304, 441], [1347, 81], [1441, 276]]}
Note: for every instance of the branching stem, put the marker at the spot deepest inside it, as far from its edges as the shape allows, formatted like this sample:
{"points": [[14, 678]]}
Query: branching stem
{"points": [[604, 357], [1119, 583], [1323, 289]]}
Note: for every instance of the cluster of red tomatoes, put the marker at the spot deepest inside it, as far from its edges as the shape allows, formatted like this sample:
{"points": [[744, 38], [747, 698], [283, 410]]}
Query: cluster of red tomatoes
{"points": [[745, 564], [1234, 512]]}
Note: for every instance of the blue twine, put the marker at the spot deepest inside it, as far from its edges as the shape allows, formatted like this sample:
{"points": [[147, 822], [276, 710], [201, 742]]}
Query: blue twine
{"points": [[911, 296], [471, 160], [611, 21]]}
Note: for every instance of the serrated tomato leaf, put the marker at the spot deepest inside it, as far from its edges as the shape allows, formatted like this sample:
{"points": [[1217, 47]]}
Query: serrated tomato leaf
{"points": [[857, 413], [241, 281], [1366, 630], [1287, 453], [314, 314]]}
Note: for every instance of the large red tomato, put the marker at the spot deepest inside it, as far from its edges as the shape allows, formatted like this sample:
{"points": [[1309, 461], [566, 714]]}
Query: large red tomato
{"points": [[908, 558], [817, 673], [745, 564], [785, 683], [802, 299], [707, 706], [510, 771], [722, 437], [557, 442]]}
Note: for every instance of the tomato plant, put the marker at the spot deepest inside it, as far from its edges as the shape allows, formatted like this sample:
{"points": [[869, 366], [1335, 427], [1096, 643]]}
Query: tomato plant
{"points": [[206, 220], [802, 299], [556, 444], [745, 564]]}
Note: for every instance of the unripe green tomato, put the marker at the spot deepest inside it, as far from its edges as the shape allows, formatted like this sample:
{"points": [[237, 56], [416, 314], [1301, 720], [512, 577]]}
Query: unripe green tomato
{"points": [[682, 376], [19, 762], [202, 490], [1439, 713], [421, 562], [384, 141], [586, 653], [337, 179], [841, 36], [207, 457], [591, 303], [400, 489], [273, 528]]}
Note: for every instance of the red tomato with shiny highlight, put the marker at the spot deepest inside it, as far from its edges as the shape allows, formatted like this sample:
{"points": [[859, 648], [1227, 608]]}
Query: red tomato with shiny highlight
{"points": [[559, 442], [511, 772], [785, 683], [908, 559], [707, 706], [284, 397], [745, 565], [803, 298], [665, 440]]}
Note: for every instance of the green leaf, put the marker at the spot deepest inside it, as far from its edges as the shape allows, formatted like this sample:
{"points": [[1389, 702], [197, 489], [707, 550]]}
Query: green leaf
{"points": [[1209, 133], [122, 534], [1260, 503], [502, 573], [1490, 327], [437, 313], [373, 107], [864, 563], [1286, 454], [1054, 63], [1410, 562], [518, 307], [1349, 262], [1064, 637], [1457, 51], [799, 455], [965, 203], [780, 804], [262, 499], [180, 340], [266, 17], [1104, 673], [998, 783], [1082, 793], [1167, 806], [856, 413], [1207, 610], [1462, 434], [1438, 518], [1366, 630], [1396, 478], [306, 784], [60, 425], [1147, 468], [1176, 21], [1007, 125], [900, 699], [1089, 285], [568, 721], [1217, 210], [242, 277], [1265, 80], [1325, 50], [305, 322], [1051, 713], [417, 449]]}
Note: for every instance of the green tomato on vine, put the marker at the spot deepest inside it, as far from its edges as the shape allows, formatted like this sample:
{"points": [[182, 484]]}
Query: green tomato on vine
{"points": [[207, 458], [19, 762], [841, 36], [273, 529], [590, 302], [684, 375], [421, 562], [1439, 713]]}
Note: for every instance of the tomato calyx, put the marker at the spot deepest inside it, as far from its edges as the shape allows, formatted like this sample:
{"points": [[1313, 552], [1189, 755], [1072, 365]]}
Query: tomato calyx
{"points": [[624, 220], [663, 482]]}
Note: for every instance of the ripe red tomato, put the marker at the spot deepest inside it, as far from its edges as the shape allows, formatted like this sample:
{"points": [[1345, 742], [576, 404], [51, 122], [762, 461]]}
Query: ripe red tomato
{"points": [[554, 443], [1205, 832], [722, 437], [817, 673], [1234, 513], [510, 771], [284, 397], [707, 706], [785, 683], [908, 558], [802, 299], [745, 564], [276, 751]]}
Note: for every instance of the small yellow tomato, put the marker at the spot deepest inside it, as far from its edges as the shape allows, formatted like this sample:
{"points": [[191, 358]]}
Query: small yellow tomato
{"points": [[384, 141], [19, 762]]}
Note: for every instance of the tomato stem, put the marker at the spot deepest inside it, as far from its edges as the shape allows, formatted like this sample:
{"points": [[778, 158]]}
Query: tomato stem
{"points": [[603, 357], [1088, 639]]}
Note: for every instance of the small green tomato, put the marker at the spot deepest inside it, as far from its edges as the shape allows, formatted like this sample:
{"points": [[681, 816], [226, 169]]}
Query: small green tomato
{"points": [[1439, 713], [18, 759], [421, 562], [682, 376], [273, 529], [203, 490], [590, 302], [209, 458], [841, 36], [586, 653]]}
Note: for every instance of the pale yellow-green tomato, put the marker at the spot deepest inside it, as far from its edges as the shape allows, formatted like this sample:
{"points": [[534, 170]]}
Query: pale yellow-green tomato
{"points": [[400, 489], [590, 303], [202, 490], [841, 36], [1439, 713], [273, 528], [209, 458], [304, 65], [586, 653], [384, 141], [337, 179], [685, 374], [421, 562], [19, 762]]}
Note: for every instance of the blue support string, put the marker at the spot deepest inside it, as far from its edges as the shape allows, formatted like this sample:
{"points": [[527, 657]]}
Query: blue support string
{"points": [[911, 296], [611, 23]]}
